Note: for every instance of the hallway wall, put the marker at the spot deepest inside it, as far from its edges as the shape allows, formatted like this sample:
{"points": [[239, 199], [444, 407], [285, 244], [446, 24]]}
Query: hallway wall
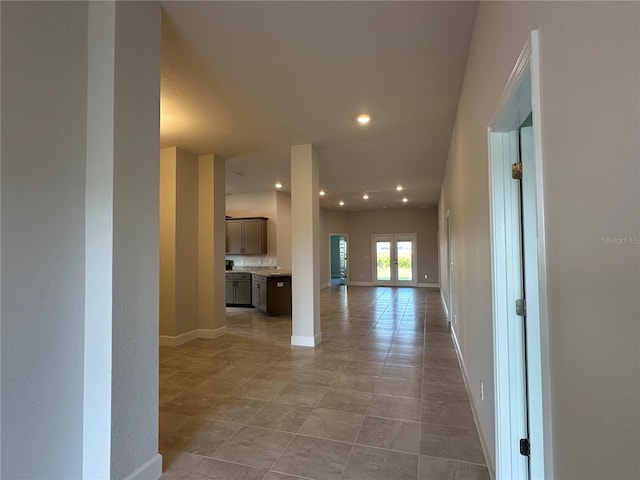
{"points": [[590, 69]]}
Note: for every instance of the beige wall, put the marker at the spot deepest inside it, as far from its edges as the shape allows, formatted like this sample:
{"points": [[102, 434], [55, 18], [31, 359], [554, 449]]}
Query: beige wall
{"points": [[590, 75], [186, 313], [211, 245], [178, 241], [361, 226], [167, 240]]}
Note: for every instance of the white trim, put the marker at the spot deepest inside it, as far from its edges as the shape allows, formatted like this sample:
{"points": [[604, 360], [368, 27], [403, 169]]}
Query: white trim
{"points": [[428, 285], [476, 418], [507, 109], [444, 304], [174, 341], [150, 470], [207, 333], [301, 341], [509, 365], [520, 97], [542, 353], [361, 284]]}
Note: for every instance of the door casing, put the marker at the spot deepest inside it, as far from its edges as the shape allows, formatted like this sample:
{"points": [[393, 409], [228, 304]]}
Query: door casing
{"points": [[520, 97]]}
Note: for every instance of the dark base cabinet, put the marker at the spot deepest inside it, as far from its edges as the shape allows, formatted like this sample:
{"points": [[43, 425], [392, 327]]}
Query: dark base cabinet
{"points": [[272, 294], [238, 289]]}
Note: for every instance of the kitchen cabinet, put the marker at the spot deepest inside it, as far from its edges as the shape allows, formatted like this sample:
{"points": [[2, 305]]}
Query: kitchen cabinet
{"points": [[272, 293], [238, 289], [259, 292], [247, 236]]}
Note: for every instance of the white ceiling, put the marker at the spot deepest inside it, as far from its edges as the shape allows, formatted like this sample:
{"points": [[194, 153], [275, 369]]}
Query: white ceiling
{"points": [[246, 80]]}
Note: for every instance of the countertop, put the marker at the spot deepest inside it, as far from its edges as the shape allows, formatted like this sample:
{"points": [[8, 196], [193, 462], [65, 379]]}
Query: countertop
{"points": [[263, 272], [272, 273]]}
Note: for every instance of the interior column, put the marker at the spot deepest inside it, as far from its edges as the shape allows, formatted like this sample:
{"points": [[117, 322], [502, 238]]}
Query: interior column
{"points": [[305, 246], [211, 246]]}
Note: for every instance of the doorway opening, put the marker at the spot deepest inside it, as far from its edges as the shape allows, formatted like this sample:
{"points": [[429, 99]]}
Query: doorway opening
{"points": [[339, 273], [521, 369], [394, 260]]}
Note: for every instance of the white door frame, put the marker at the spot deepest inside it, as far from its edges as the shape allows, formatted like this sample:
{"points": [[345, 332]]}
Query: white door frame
{"points": [[393, 238], [346, 239], [520, 97]]}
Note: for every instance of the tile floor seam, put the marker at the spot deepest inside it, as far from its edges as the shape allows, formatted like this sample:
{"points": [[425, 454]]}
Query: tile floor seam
{"points": [[456, 460], [206, 457], [424, 352], [288, 474], [353, 444], [385, 449], [293, 436]]}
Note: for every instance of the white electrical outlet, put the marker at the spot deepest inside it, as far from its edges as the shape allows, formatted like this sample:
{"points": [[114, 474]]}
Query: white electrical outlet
{"points": [[455, 318], [426, 277], [481, 390]]}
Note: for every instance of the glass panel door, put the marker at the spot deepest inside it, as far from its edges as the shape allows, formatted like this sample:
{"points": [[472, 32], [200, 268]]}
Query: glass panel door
{"points": [[404, 264], [394, 259], [383, 261], [405, 260]]}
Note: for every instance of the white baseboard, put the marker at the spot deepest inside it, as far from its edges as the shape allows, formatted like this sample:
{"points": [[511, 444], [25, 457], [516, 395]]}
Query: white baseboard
{"points": [[174, 341], [207, 333], [491, 465], [361, 284], [150, 470], [301, 341], [429, 285], [444, 304]]}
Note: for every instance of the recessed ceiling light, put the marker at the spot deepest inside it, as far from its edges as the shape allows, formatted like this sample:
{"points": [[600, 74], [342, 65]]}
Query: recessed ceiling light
{"points": [[399, 188], [405, 200], [364, 119], [341, 203], [322, 193], [278, 185], [365, 196]]}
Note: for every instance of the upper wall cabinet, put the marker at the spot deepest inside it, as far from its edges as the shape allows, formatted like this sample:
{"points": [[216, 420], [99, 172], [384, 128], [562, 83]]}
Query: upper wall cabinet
{"points": [[247, 236]]}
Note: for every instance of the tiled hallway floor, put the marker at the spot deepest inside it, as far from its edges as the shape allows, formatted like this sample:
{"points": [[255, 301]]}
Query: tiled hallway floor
{"points": [[381, 397]]}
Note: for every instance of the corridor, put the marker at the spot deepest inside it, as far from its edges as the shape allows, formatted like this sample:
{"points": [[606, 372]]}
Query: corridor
{"points": [[381, 397]]}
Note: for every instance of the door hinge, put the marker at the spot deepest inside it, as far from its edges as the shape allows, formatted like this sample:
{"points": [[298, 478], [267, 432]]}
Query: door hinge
{"points": [[516, 171], [521, 307], [525, 448]]}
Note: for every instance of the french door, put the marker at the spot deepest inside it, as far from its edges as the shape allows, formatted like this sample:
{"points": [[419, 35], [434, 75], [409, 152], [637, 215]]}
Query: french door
{"points": [[394, 260]]}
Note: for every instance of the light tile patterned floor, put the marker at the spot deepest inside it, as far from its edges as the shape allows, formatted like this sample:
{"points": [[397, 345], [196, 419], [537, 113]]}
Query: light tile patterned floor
{"points": [[381, 397]]}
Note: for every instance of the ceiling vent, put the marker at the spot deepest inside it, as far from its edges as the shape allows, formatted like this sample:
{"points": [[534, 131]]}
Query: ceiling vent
{"points": [[242, 174]]}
